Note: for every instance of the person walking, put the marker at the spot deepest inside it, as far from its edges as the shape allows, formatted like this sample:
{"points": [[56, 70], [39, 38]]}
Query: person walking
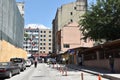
{"points": [[111, 63]]}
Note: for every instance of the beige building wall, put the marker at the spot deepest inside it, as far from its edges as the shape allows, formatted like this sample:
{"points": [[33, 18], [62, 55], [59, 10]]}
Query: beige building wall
{"points": [[67, 13], [71, 35]]}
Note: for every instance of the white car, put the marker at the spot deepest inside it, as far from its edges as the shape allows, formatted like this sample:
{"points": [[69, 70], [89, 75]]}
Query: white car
{"points": [[28, 63]]}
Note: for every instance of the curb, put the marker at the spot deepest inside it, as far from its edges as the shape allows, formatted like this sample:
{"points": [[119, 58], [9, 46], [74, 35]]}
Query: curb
{"points": [[96, 73]]}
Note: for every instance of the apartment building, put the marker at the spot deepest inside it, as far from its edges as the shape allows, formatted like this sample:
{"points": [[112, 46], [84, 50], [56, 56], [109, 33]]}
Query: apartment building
{"points": [[66, 14], [40, 39]]}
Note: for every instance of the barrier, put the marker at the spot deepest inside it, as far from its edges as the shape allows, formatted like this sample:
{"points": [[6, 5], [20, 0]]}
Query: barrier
{"points": [[81, 76], [99, 77]]}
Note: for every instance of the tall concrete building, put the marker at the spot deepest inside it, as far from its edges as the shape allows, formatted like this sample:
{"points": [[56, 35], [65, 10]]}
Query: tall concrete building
{"points": [[66, 14], [11, 23], [40, 39], [11, 31], [21, 8]]}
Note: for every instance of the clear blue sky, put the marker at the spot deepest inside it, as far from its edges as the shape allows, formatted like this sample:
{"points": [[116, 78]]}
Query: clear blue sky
{"points": [[42, 11]]}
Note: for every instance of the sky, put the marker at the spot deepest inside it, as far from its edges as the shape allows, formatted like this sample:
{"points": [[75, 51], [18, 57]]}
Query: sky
{"points": [[42, 11]]}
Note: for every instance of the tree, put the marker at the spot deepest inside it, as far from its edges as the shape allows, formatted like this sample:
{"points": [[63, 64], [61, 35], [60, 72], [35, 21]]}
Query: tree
{"points": [[26, 36], [101, 21]]}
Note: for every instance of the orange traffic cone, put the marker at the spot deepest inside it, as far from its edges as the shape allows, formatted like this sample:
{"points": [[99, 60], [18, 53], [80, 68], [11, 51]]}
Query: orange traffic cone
{"points": [[99, 77]]}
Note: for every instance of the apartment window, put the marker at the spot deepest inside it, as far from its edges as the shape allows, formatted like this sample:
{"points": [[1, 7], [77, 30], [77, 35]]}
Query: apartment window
{"points": [[44, 31], [49, 39], [43, 47], [40, 39], [75, 8], [71, 20], [44, 35], [41, 31], [49, 48], [44, 39], [44, 44], [49, 35], [40, 43], [40, 47], [49, 43], [40, 35], [49, 31], [66, 45], [71, 13]]}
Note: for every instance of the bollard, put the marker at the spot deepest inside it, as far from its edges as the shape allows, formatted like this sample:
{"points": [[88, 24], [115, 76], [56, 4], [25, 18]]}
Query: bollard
{"points": [[81, 76], [57, 66], [66, 71], [99, 77], [60, 68], [62, 71], [53, 65]]}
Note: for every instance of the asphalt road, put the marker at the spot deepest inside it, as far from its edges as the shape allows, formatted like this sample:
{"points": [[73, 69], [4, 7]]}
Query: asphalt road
{"points": [[46, 72]]}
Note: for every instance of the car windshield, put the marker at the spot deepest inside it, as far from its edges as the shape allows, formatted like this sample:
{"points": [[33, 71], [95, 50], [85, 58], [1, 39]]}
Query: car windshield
{"points": [[17, 60], [3, 64]]}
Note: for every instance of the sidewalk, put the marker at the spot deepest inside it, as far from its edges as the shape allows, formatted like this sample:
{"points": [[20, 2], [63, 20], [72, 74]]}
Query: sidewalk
{"points": [[96, 71]]}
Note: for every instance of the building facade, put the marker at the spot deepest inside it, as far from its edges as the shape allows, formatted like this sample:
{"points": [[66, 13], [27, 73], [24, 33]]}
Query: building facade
{"points": [[11, 31], [11, 23], [21, 8], [66, 14], [69, 38], [40, 40]]}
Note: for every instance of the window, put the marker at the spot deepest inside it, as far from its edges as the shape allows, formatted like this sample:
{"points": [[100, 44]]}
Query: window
{"points": [[49, 43], [44, 44], [44, 31], [43, 47], [71, 20], [40, 43], [49, 31], [75, 8], [44, 35], [71, 13], [49, 48], [49, 35], [49, 39], [40, 47], [66, 45]]}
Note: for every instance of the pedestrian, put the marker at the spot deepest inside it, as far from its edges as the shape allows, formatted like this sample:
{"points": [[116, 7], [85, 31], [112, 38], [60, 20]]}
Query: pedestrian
{"points": [[35, 62], [80, 60], [111, 63]]}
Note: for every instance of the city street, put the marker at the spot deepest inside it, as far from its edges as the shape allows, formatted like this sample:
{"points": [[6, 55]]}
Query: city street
{"points": [[46, 72]]}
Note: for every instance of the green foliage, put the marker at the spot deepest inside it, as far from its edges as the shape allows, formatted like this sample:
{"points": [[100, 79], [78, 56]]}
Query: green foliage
{"points": [[102, 21], [26, 36]]}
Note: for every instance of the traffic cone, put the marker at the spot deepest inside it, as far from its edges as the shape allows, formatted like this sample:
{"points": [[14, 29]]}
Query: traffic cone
{"points": [[99, 77]]}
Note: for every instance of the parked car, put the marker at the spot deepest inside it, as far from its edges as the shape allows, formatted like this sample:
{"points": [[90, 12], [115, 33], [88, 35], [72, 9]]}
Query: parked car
{"points": [[7, 69], [28, 63], [20, 62]]}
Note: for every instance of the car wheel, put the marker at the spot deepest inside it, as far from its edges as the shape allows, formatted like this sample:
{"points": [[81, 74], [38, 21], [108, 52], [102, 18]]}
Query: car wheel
{"points": [[10, 74]]}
